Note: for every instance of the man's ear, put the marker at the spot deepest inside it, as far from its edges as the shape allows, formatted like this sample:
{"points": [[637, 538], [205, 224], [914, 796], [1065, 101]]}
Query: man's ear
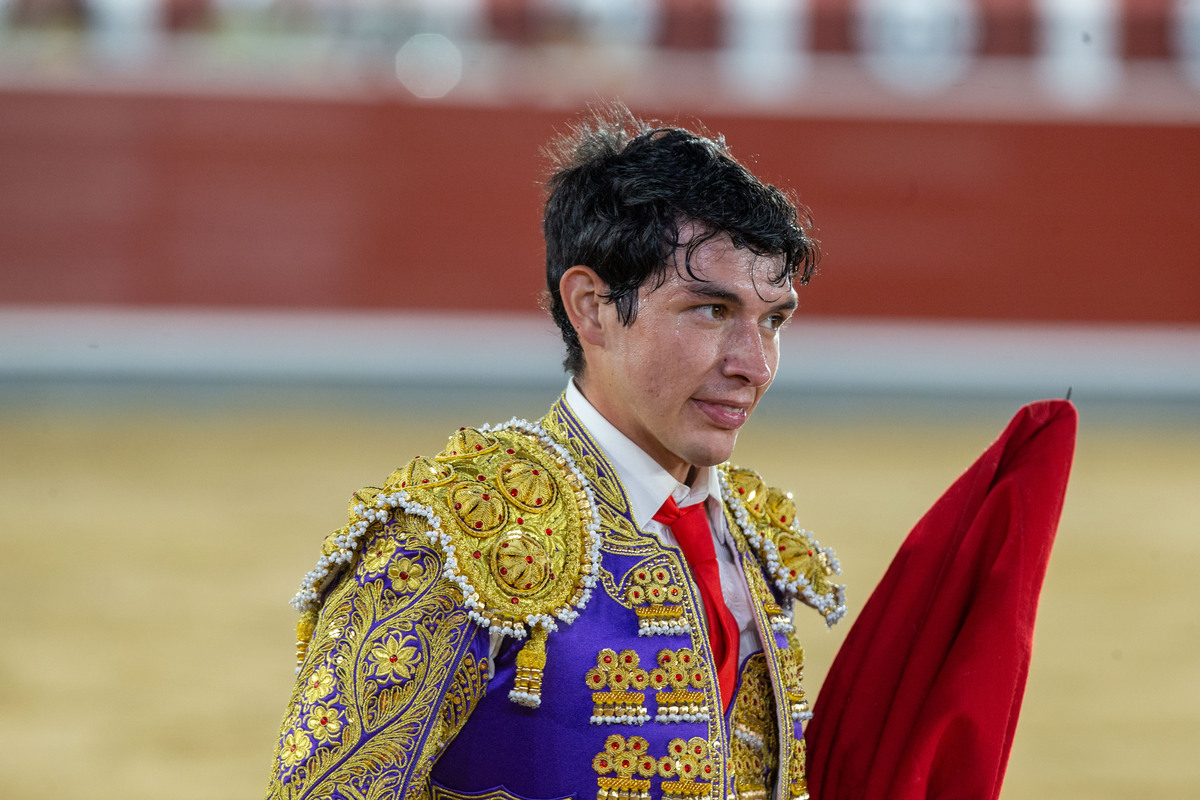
{"points": [[583, 293]]}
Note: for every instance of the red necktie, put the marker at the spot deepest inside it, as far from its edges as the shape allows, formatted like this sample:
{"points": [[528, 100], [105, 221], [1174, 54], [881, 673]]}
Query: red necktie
{"points": [[690, 526]]}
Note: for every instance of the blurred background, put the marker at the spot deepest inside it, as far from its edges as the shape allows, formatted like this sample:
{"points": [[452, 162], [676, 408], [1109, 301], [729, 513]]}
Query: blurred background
{"points": [[255, 254]]}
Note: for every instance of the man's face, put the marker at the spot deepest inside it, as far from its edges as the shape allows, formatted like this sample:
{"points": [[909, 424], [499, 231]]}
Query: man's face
{"points": [[683, 378]]}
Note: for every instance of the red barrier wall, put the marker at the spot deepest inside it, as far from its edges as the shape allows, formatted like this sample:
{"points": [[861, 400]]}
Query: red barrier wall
{"points": [[287, 203]]}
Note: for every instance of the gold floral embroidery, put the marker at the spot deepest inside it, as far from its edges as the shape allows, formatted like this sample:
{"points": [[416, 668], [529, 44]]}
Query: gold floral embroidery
{"points": [[386, 713], [319, 684], [689, 763], [623, 759], [656, 597], [680, 682], [617, 684], [395, 658], [295, 749], [377, 554], [406, 575], [324, 723]]}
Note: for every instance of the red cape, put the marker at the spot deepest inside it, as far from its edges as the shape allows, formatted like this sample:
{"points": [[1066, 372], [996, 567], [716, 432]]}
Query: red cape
{"points": [[923, 697]]}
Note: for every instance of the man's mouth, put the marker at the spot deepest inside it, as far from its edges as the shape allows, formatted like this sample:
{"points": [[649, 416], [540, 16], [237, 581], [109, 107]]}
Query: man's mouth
{"points": [[724, 414]]}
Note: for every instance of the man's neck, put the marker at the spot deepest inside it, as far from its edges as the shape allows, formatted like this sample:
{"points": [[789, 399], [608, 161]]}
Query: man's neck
{"points": [[678, 469]]}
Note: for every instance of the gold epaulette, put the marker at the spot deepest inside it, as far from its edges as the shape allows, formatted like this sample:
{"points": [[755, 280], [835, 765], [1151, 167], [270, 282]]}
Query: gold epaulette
{"points": [[800, 567], [515, 523]]}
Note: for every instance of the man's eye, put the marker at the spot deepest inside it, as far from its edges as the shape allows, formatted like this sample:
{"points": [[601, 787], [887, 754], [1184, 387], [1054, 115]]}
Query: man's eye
{"points": [[777, 321], [713, 310]]}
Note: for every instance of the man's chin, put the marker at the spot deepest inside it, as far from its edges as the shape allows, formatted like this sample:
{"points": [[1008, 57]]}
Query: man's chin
{"points": [[714, 453]]}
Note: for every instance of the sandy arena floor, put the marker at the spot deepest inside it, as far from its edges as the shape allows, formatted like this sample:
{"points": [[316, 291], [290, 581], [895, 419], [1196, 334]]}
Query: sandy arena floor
{"points": [[150, 549]]}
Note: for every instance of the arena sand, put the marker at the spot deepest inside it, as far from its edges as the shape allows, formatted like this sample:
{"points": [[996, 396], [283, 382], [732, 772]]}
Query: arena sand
{"points": [[150, 548]]}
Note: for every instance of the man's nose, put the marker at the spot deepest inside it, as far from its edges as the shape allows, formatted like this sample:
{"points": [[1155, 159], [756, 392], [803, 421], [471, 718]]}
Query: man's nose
{"points": [[748, 356]]}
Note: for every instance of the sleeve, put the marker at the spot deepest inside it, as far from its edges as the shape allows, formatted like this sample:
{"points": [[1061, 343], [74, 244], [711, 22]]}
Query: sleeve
{"points": [[393, 669]]}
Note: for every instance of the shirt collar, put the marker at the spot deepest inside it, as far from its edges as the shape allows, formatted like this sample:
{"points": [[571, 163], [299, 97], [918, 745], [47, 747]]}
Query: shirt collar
{"points": [[647, 484]]}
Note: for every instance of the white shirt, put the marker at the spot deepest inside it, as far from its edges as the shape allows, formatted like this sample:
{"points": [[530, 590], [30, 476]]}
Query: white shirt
{"points": [[648, 485]]}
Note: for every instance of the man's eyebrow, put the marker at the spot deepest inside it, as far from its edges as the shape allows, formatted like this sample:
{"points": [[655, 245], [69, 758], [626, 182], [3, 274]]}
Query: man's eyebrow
{"points": [[711, 292]]}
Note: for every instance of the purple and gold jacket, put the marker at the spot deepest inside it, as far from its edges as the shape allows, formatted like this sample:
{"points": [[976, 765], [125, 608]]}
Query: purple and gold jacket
{"points": [[604, 685]]}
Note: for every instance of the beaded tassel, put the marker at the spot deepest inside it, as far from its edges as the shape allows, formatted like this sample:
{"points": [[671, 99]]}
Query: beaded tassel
{"points": [[531, 660], [305, 628]]}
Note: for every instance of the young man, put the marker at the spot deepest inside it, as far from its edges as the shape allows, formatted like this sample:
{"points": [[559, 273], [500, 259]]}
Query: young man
{"points": [[596, 603]]}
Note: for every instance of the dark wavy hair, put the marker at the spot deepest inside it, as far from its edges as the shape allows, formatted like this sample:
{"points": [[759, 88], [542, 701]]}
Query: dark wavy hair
{"points": [[621, 191]]}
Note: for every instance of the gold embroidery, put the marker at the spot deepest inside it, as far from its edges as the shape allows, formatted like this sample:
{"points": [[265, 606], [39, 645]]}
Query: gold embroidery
{"points": [[466, 443], [478, 507], [439, 792], [464, 692], [791, 670], [620, 535], [377, 555], [655, 597], [526, 485], [370, 690], [420, 472], [797, 773], [407, 576], [305, 627], [681, 682], [521, 563], [618, 684], [750, 490], [625, 758], [796, 563], [531, 661], [518, 566], [690, 764], [752, 729]]}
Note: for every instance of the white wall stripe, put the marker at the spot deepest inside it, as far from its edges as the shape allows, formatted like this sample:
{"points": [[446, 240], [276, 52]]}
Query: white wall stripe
{"points": [[40, 343]]}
